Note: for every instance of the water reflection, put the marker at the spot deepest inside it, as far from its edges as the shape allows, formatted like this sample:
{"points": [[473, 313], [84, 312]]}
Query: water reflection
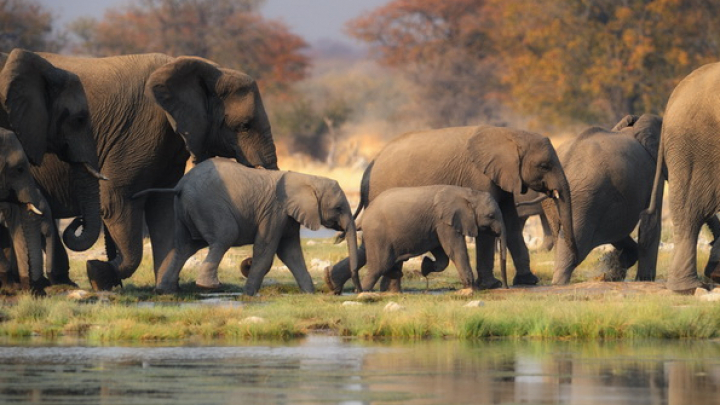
{"points": [[324, 369]]}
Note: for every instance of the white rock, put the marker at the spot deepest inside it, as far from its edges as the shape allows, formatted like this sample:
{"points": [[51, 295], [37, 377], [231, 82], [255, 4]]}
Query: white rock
{"points": [[351, 303], [393, 307], [474, 304], [311, 243], [710, 297], [252, 320], [700, 292], [78, 294]]}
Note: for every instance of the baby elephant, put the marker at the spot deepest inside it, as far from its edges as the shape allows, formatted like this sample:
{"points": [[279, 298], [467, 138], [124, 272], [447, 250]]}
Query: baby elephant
{"points": [[221, 203], [405, 222]]}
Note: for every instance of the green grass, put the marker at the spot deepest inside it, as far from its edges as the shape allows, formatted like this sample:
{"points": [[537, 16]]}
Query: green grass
{"points": [[136, 314]]}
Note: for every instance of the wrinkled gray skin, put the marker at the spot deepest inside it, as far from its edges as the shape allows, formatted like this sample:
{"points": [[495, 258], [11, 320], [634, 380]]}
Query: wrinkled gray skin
{"points": [[611, 177], [404, 222], [48, 108], [20, 203], [500, 161], [690, 155], [150, 113], [221, 204]]}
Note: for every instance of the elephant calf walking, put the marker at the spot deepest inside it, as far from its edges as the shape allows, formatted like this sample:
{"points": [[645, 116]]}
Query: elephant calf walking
{"points": [[221, 203], [405, 222]]}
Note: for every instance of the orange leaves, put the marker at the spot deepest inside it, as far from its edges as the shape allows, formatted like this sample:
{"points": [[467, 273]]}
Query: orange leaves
{"points": [[228, 32]]}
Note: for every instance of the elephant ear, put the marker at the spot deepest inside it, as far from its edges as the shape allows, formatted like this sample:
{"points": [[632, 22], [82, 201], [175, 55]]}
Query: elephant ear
{"points": [[183, 89], [456, 212], [626, 122], [26, 85], [497, 153], [647, 133], [301, 199]]}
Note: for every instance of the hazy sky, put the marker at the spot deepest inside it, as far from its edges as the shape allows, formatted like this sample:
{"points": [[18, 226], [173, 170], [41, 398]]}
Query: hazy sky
{"points": [[311, 19]]}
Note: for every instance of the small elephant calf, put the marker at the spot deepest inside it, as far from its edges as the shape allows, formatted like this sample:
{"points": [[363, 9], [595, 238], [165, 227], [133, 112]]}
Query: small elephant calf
{"points": [[221, 203], [405, 222]]}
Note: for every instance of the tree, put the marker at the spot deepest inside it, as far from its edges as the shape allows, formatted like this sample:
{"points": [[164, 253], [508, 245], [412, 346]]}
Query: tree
{"points": [[229, 32], [445, 49], [562, 60], [26, 24], [598, 60]]}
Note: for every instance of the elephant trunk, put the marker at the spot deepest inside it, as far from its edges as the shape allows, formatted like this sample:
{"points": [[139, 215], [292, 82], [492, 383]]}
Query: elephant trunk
{"points": [[87, 189], [564, 206], [503, 255], [348, 225]]}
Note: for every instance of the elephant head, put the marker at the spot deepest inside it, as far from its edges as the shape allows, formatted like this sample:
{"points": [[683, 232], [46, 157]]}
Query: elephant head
{"points": [[517, 161], [472, 212], [47, 109], [218, 112], [19, 202], [314, 201]]}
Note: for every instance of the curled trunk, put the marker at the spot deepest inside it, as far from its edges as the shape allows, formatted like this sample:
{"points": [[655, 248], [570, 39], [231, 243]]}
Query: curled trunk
{"points": [[86, 188]]}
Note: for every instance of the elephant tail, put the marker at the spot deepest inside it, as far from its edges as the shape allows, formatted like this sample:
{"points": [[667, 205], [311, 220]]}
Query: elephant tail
{"points": [[659, 182], [155, 190], [364, 199]]}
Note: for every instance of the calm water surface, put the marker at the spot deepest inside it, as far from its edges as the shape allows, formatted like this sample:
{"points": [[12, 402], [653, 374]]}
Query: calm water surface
{"points": [[330, 370]]}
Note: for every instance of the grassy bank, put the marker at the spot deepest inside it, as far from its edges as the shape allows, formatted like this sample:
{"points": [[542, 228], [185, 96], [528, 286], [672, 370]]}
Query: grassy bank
{"points": [[135, 313], [422, 316]]}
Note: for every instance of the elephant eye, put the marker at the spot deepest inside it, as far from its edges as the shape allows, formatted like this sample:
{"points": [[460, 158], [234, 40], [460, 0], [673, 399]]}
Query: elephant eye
{"points": [[545, 166], [491, 215], [79, 120]]}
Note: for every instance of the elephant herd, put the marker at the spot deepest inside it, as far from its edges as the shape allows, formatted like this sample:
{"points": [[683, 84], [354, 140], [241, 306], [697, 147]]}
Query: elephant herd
{"points": [[106, 140]]}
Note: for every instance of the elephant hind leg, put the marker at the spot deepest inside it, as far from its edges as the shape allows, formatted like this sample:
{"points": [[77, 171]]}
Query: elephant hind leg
{"points": [[336, 277], [392, 279], [208, 275]]}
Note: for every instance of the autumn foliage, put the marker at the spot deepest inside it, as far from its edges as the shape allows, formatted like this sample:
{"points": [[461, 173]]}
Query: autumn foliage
{"points": [[229, 32], [26, 24], [587, 60]]}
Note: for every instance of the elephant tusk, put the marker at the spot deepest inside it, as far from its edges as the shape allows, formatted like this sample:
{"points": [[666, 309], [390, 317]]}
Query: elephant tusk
{"points": [[94, 172], [556, 195], [33, 208]]}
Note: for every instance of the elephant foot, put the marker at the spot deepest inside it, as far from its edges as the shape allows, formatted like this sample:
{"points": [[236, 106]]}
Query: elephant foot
{"points": [[327, 276], [490, 284], [102, 275], [245, 266], [62, 280], [391, 284], [525, 279], [209, 286], [164, 289]]}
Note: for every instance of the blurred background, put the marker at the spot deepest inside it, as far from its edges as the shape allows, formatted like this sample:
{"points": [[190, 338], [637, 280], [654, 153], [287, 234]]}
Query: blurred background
{"points": [[341, 77]]}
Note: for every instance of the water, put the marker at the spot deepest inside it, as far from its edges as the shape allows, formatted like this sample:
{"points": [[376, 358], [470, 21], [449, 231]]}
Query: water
{"points": [[330, 370]]}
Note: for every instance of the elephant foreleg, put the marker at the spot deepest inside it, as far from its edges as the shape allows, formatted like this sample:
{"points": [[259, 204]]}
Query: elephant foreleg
{"points": [[57, 262], [649, 232], [263, 255], [485, 255], [454, 244], [290, 252], [516, 246]]}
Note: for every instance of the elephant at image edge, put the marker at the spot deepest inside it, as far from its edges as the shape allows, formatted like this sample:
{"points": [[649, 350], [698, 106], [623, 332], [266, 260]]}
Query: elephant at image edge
{"points": [[689, 155], [21, 208], [611, 181], [501, 161], [48, 110], [404, 222], [259, 207], [150, 113]]}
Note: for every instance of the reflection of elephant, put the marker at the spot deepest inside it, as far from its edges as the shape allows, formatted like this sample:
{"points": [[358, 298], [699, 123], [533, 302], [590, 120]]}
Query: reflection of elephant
{"points": [[48, 110], [248, 206], [19, 202], [611, 175], [405, 222], [497, 160], [690, 152], [149, 113]]}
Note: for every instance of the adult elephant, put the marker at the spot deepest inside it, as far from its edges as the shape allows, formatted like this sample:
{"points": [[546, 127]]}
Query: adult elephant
{"points": [[150, 113], [611, 178], [47, 109], [690, 152], [501, 161]]}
